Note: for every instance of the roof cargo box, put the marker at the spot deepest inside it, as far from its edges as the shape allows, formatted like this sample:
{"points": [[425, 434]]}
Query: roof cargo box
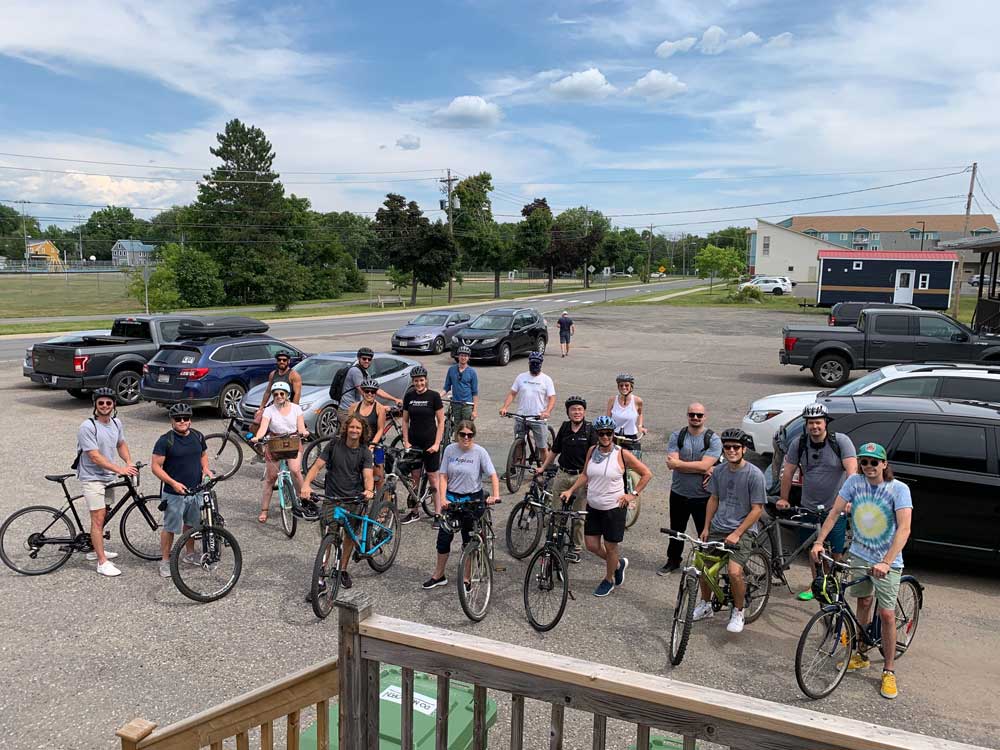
{"points": [[225, 326]]}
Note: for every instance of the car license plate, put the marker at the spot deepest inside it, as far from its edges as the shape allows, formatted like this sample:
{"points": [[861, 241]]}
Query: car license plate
{"points": [[52, 379], [162, 378]]}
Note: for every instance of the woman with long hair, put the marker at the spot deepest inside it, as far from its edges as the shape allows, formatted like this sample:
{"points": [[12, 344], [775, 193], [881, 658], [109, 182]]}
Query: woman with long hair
{"points": [[283, 417]]}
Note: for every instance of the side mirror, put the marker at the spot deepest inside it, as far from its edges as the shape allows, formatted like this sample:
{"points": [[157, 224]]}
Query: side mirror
{"points": [[960, 337]]}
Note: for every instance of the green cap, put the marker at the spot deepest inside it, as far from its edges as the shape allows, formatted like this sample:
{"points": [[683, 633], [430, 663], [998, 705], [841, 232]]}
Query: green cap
{"points": [[872, 450]]}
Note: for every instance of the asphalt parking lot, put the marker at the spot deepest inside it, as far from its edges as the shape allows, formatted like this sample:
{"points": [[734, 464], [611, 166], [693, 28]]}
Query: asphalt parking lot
{"points": [[82, 655]]}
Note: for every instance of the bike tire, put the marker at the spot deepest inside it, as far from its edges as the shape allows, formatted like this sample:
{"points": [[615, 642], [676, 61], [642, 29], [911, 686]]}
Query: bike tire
{"points": [[514, 476], [314, 451], [909, 601], [225, 454], [382, 559], [200, 583], [551, 437], [825, 646], [632, 512], [426, 496], [680, 631], [143, 540], [546, 574], [327, 572], [17, 543], [476, 601], [757, 576], [524, 530], [286, 496]]}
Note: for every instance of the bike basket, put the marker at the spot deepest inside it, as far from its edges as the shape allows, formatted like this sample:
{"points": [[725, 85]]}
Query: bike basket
{"points": [[410, 459], [285, 447]]}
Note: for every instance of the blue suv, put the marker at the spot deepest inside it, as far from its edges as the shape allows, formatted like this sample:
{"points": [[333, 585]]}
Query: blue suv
{"points": [[216, 371]]}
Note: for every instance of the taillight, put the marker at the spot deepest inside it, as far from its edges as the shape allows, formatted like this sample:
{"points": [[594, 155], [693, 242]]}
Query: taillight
{"points": [[790, 342], [831, 321], [80, 363], [194, 373]]}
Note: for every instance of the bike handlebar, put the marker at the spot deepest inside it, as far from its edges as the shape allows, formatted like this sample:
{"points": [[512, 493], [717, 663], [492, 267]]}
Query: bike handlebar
{"points": [[358, 499], [526, 417], [205, 486], [277, 436], [456, 401], [681, 536], [844, 566]]}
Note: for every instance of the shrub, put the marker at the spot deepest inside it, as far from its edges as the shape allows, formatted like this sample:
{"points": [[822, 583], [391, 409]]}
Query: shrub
{"points": [[748, 294]]}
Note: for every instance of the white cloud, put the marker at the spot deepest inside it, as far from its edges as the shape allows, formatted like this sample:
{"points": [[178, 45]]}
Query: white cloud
{"points": [[668, 48], [715, 40], [584, 85], [657, 84], [638, 22], [468, 112], [780, 41], [744, 40], [408, 142]]}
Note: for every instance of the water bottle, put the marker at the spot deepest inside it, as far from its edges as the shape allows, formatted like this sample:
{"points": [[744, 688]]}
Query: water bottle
{"points": [[249, 436], [379, 455]]}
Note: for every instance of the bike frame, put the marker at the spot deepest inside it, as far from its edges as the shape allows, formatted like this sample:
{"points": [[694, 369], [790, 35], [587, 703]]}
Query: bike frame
{"points": [[710, 566], [345, 520], [132, 495]]}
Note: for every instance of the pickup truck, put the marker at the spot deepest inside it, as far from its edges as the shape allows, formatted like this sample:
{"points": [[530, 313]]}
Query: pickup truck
{"points": [[114, 360], [883, 337]]}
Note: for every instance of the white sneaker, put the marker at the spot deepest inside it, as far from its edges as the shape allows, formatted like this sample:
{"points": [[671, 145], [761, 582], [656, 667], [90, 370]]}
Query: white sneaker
{"points": [[92, 556], [108, 569], [736, 622], [702, 611], [191, 558], [164, 569]]}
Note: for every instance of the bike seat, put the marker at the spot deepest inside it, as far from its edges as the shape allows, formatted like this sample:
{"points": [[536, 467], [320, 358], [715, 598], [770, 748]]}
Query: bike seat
{"points": [[59, 477]]}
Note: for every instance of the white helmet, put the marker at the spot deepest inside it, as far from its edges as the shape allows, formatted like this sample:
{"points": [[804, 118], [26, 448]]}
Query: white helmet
{"points": [[281, 385]]}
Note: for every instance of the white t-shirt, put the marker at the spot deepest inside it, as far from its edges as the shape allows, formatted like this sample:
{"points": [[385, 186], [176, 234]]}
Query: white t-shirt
{"points": [[533, 392], [283, 423]]}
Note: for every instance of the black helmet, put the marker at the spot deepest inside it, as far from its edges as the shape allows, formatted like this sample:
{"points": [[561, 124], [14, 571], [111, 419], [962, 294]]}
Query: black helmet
{"points": [[625, 377], [815, 411], [734, 435], [180, 410], [418, 372], [536, 357], [463, 349], [825, 589], [576, 401], [283, 353], [103, 392], [364, 351], [368, 385]]}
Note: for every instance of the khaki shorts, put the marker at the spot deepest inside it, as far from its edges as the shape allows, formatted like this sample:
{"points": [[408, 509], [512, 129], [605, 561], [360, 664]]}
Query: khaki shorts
{"points": [[886, 590], [97, 495], [741, 553]]}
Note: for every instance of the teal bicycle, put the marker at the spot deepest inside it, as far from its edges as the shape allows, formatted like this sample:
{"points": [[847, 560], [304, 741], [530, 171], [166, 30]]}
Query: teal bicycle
{"points": [[376, 539], [284, 487]]}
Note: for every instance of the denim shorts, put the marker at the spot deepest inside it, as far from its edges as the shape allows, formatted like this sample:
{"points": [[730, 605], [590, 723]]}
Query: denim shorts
{"points": [[182, 510]]}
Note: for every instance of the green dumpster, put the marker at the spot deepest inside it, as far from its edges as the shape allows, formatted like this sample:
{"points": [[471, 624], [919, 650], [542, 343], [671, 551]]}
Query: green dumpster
{"points": [[460, 713]]}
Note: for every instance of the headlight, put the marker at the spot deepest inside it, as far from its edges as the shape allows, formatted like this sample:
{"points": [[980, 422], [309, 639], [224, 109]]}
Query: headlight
{"points": [[425, 337], [489, 341], [762, 416]]}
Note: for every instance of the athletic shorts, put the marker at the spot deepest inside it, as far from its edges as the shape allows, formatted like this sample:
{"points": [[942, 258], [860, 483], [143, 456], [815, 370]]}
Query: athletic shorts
{"points": [[431, 461], [563, 337], [539, 432], [182, 510], [609, 524], [97, 494], [837, 536], [741, 552], [886, 590]]}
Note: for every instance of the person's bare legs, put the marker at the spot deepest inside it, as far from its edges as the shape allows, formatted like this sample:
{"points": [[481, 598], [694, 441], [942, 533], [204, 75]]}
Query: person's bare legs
{"points": [[97, 534]]}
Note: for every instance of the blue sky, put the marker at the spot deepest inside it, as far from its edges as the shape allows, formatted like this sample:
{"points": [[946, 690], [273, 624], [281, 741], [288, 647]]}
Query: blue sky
{"points": [[644, 107]]}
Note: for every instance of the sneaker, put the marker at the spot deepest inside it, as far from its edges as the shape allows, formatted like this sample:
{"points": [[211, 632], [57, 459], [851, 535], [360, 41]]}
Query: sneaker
{"points": [[433, 582], [604, 588], [889, 689], [572, 556], [108, 569], [805, 596], [306, 510], [620, 573], [92, 556], [191, 558], [164, 569], [668, 567], [322, 588], [702, 611], [345, 580], [735, 621], [857, 662], [411, 517]]}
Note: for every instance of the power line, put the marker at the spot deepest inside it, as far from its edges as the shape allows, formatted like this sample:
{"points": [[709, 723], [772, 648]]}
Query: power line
{"points": [[985, 195]]}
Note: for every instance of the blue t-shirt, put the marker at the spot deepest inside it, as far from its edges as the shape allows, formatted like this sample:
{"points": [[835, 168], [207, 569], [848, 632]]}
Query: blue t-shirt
{"points": [[182, 460], [462, 385], [564, 324], [873, 516]]}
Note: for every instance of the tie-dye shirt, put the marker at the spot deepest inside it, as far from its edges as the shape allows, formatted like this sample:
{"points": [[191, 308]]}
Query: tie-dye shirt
{"points": [[873, 516]]}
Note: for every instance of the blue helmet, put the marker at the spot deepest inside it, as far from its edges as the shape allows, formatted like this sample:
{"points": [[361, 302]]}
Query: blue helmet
{"points": [[604, 422], [536, 357]]}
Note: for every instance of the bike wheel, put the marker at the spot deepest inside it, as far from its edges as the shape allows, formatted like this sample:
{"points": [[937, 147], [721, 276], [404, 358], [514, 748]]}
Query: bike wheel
{"points": [[475, 599], [551, 438], [757, 576], [225, 454], [824, 652], [515, 465], [908, 602], [26, 544], [213, 568], [425, 495], [524, 529], [286, 496], [384, 542], [680, 631], [314, 451], [325, 583], [632, 513], [140, 529], [546, 589]]}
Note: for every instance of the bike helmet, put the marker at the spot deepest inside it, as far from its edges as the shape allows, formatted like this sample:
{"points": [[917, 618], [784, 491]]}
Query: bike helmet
{"points": [[103, 393], [180, 410], [418, 372], [283, 353], [368, 385], [815, 411], [604, 422], [364, 351], [825, 589], [536, 358], [463, 349], [576, 401], [733, 435], [281, 385], [625, 377]]}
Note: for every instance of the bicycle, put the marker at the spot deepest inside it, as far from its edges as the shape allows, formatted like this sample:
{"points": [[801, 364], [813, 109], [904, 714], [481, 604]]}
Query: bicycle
{"points": [[225, 449], [288, 496], [547, 572], [39, 539], [450, 419], [769, 538], [631, 479], [710, 560], [523, 454], [203, 573], [375, 537], [524, 524], [399, 464], [832, 635], [316, 447], [477, 556]]}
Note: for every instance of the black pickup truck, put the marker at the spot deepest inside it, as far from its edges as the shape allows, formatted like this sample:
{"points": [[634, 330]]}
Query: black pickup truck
{"points": [[114, 360], [883, 337]]}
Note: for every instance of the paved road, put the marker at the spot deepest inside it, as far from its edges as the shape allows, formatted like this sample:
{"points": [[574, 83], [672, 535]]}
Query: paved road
{"points": [[12, 348]]}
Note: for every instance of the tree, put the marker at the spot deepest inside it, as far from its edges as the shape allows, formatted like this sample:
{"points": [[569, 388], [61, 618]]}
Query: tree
{"points": [[163, 294], [185, 277], [403, 229], [534, 235], [577, 233], [482, 242], [724, 262], [356, 235], [108, 225]]}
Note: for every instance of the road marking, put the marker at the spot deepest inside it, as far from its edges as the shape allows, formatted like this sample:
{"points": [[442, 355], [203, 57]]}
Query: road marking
{"points": [[587, 302]]}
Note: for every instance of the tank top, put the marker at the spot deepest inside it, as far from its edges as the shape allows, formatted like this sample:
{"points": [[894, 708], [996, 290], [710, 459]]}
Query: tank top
{"points": [[279, 378], [371, 419], [626, 417], [605, 480], [282, 424]]}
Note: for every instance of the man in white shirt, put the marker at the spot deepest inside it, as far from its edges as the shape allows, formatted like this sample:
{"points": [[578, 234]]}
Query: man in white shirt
{"points": [[536, 394]]}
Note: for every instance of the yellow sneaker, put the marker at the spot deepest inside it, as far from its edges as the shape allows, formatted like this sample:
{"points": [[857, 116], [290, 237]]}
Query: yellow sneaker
{"points": [[857, 662], [889, 685]]}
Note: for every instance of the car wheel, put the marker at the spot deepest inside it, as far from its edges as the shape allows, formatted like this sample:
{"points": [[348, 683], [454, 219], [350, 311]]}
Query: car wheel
{"points": [[439, 345], [831, 371], [230, 400], [503, 357], [540, 345], [777, 291], [125, 384], [326, 422]]}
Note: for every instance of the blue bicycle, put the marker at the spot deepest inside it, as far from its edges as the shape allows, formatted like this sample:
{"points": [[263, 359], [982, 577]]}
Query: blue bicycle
{"points": [[284, 487], [375, 537]]}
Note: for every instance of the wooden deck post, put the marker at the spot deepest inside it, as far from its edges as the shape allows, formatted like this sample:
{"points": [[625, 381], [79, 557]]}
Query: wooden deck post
{"points": [[354, 607], [135, 732]]}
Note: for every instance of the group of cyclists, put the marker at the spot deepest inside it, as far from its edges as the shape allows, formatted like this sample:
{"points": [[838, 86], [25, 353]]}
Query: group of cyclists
{"points": [[598, 469]]}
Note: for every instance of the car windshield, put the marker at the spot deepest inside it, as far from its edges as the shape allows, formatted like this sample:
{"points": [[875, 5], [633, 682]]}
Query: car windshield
{"points": [[318, 370], [856, 386], [429, 319], [491, 323]]}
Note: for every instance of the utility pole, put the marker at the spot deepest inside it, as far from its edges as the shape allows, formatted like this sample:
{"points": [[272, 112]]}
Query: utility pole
{"points": [[79, 235], [24, 230], [957, 281], [649, 256], [451, 227]]}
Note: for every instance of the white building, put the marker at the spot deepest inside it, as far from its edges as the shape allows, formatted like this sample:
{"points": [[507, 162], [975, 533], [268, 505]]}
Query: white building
{"points": [[778, 251]]}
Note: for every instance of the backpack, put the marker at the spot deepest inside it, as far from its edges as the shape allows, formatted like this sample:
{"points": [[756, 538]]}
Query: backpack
{"points": [[337, 386], [706, 439], [79, 452], [171, 434], [831, 439]]}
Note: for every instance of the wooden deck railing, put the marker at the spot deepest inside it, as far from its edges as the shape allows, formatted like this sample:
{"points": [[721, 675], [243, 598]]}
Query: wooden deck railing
{"points": [[646, 701]]}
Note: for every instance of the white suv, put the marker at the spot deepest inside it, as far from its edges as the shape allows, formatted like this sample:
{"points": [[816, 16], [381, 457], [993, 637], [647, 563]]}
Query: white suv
{"points": [[946, 380], [776, 285]]}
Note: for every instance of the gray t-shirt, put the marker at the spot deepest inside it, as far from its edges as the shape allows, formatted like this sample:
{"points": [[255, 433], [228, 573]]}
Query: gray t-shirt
{"points": [[737, 491], [689, 485], [465, 469], [355, 377], [822, 471], [95, 435]]}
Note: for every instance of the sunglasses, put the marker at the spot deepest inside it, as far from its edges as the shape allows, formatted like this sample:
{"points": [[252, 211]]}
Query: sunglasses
{"points": [[695, 415], [181, 419], [364, 359], [605, 433], [732, 447], [870, 461], [466, 434], [105, 403]]}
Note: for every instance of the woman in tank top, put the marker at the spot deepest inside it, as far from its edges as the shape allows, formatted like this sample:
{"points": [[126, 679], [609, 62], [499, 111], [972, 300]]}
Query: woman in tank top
{"points": [[626, 409], [370, 410], [280, 418]]}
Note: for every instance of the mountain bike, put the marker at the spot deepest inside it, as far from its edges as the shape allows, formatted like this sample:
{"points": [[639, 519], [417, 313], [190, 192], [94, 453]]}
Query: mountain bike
{"points": [[288, 496], [631, 479], [546, 582], [399, 464], [834, 633], [523, 454], [39, 539], [225, 449], [376, 539], [206, 561], [710, 560], [475, 582], [524, 524], [769, 537]]}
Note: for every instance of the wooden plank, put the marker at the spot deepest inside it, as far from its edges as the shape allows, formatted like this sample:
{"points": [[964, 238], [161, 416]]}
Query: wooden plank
{"points": [[373, 674], [625, 694], [292, 731], [354, 607], [689, 742], [323, 725], [242, 741], [443, 701], [406, 711], [134, 732], [517, 722], [267, 736], [600, 732], [642, 737], [216, 745], [556, 726], [478, 718]]}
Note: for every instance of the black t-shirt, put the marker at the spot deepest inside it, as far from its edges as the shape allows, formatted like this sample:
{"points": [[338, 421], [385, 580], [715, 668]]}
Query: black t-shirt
{"points": [[572, 446], [564, 324], [345, 467], [422, 408], [182, 460]]}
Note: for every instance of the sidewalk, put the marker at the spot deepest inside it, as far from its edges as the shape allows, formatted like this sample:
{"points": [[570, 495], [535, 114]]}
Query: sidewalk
{"points": [[674, 294]]}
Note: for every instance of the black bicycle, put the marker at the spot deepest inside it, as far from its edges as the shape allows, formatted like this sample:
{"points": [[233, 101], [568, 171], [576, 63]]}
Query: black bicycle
{"points": [[524, 455], [546, 583], [769, 537], [475, 579], [206, 561], [524, 524], [400, 463], [225, 449], [39, 539]]}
